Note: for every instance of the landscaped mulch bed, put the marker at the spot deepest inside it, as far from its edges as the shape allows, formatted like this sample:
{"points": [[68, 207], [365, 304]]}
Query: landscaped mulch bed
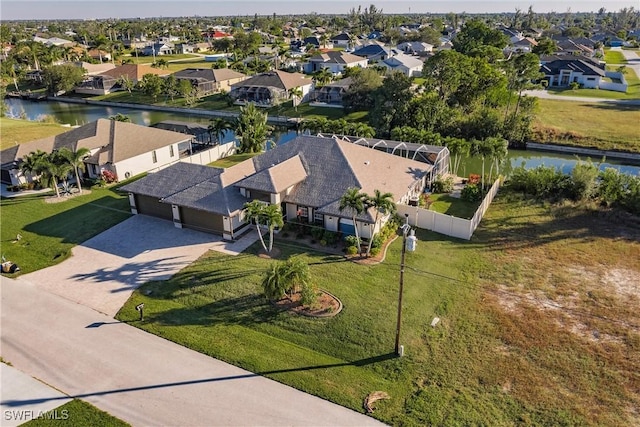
{"points": [[326, 305]]}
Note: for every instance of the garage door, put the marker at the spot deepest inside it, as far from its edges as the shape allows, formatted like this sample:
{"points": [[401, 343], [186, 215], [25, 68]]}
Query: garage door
{"points": [[151, 206], [346, 227], [201, 221]]}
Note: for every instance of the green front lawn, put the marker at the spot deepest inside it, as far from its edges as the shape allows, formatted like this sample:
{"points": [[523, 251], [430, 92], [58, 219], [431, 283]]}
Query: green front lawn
{"points": [[76, 413], [50, 230], [500, 354], [614, 57]]}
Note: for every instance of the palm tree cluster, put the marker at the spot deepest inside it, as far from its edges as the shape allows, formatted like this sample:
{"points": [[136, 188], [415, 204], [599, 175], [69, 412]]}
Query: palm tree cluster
{"points": [[357, 202], [261, 213], [50, 168], [287, 278]]}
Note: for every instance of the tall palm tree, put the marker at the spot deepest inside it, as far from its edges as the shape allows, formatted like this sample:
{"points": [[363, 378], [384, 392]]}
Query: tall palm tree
{"points": [[381, 202], [254, 212], [274, 283], [296, 94], [219, 126], [458, 148], [76, 160], [251, 129], [482, 148], [499, 151], [323, 76], [353, 201], [273, 218]]}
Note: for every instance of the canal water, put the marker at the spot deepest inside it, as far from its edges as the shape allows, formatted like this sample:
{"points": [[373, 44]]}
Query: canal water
{"points": [[80, 114]]}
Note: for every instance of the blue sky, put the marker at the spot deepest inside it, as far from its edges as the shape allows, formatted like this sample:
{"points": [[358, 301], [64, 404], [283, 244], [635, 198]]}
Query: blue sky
{"points": [[89, 9]]}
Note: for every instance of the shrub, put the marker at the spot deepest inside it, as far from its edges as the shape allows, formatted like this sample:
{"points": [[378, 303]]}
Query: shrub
{"points": [[442, 185], [331, 237], [474, 178], [584, 177], [471, 193], [308, 294], [375, 251], [377, 241], [352, 250], [351, 240], [574, 85], [323, 242], [317, 233], [109, 177]]}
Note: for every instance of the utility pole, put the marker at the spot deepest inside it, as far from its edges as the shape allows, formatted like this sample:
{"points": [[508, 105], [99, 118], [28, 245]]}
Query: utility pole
{"points": [[407, 244]]}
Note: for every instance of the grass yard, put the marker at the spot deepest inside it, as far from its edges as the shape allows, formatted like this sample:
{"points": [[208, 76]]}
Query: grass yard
{"points": [[232, 160], [50, 230], [614, 57], [538, 317], [445, 204], [597, 125], [141, 59], [16, 131], [77, 413]]}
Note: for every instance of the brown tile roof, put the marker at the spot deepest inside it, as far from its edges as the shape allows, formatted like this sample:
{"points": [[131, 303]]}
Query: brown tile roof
{"points": [[277, 178], [277, 79], [135, 72]]}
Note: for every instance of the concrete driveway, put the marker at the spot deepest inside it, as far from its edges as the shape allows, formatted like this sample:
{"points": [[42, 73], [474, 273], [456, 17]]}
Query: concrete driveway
{"points": [[103, 271]]}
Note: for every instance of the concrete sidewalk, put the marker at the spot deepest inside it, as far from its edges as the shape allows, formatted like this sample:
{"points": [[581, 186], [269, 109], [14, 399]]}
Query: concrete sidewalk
{"points": [[18, 386], [141, 378]]}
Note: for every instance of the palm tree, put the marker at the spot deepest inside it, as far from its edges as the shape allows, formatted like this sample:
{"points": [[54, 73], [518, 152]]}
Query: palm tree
{"points": [[323, 76], [251, 129], [381, 202], [458, 148], [120, 118], [219, 126], [273, 218], [254, 212], [482, 148], [76, 160], [353, 200], [296, 94], [499, 151], [296, 274], [31, 164], [274, 283]]}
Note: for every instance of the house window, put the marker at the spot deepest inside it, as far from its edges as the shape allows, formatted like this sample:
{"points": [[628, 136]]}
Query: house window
{"points": [[318, 218], [171, 151], [303, 212], [154, 157]]}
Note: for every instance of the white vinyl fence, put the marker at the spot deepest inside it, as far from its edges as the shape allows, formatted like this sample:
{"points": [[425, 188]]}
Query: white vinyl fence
{"points": [[205, 157], [447, 224]]}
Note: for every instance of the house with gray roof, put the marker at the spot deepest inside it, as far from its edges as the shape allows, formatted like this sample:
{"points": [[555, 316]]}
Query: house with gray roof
{"points": [[124, 149], [306, 177], [271, 88], [336, 61], [331, 94], [408, 65], [563, 72]]}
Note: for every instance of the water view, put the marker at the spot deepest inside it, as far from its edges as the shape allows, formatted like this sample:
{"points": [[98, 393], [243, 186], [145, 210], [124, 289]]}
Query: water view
{"points": [[80, 114]]}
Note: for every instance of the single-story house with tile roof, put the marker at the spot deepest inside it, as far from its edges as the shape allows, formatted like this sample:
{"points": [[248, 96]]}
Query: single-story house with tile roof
{"points": [[406, 64], [125, 149], [210, 80], [563, 72], [158, 49], [306, 177], [106, 82], [335, 61], [415, 48], [342, 40], [271, 88]]}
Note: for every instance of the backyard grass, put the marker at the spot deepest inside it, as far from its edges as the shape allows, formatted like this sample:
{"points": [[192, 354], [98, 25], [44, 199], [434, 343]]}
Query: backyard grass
{"points": [[141, 59], [538, 312], [16, 131], [454, 206], [50, 230], [614, 57], [77, 413], [597, 125], [234, 159]]}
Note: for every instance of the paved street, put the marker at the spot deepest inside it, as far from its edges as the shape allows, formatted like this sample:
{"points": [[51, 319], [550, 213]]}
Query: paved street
{"points": [[138, 377]]}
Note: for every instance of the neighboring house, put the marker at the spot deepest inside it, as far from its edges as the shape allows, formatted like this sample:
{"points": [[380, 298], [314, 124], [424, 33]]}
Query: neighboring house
{"points": [[93, 69], [343, 40], [331, 94], [99, 54], [406, 64], [563, 72], [335, 61], [312, 40], [577, 46], [185, 48], [210, 80], [415, 48], [513, 34], [373, 52], [306, 177], [125, 149], [53, 41], [525, 45], [272, 88], [107, 82], [200, 133], [159, 49]]}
